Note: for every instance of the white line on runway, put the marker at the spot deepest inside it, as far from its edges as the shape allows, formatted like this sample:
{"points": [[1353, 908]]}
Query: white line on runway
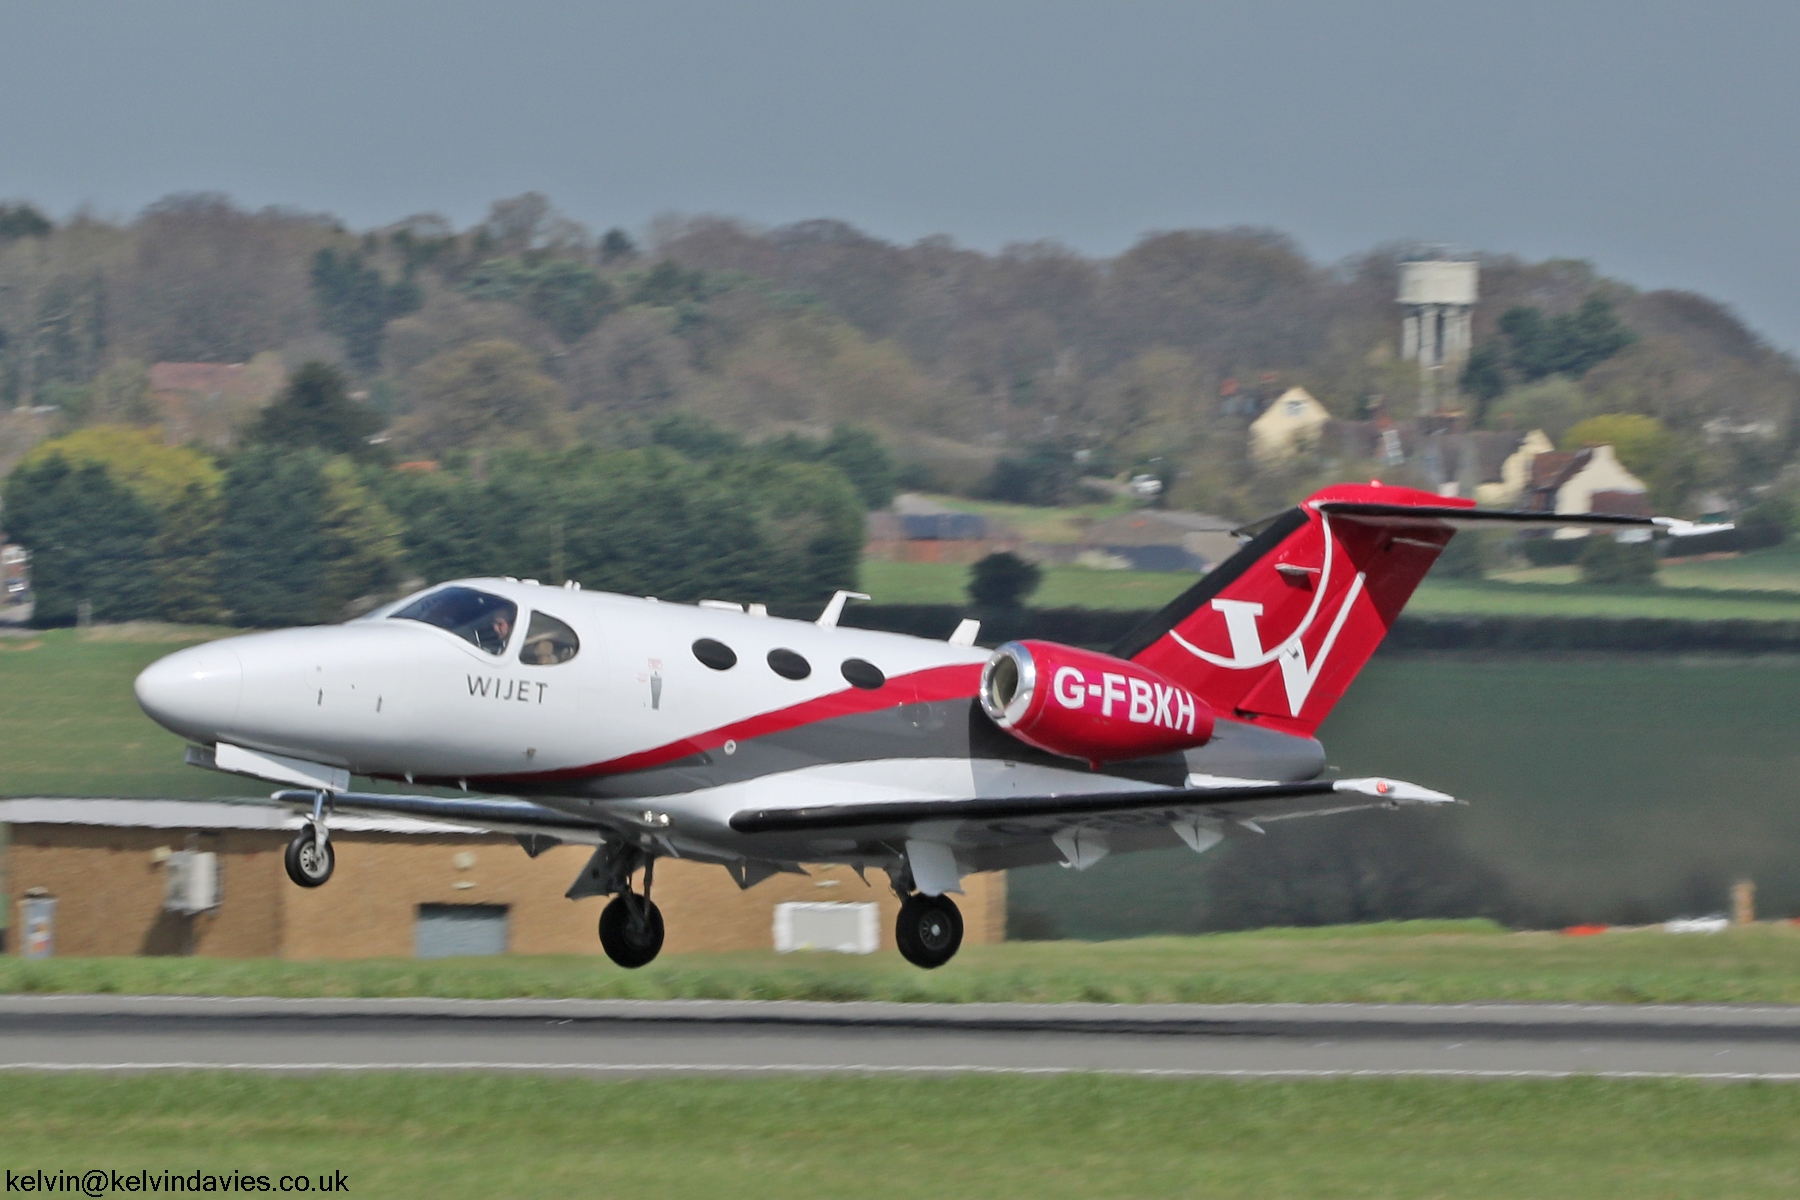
{"points": [[909, 1069]]}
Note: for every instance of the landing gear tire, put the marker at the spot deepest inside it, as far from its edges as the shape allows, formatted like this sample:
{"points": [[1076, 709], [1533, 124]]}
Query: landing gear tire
{"points": [[309, 864], [631, 930], [929, 930]]}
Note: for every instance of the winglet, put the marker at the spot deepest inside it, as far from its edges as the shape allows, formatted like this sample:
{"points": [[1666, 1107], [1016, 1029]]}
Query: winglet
{"points": [[1393, 789], [966, 629], [1676, 527]]}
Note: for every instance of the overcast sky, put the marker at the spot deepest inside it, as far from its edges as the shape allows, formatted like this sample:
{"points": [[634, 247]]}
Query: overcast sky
{"points": [[1656, 139]]}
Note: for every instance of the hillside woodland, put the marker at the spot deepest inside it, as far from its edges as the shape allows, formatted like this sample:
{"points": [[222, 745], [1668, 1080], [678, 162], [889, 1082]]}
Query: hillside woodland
{"points": [[803, 365]]}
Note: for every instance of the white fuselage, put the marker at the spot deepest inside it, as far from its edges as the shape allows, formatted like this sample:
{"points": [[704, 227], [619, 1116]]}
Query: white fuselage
{"points": [[633, 717]]}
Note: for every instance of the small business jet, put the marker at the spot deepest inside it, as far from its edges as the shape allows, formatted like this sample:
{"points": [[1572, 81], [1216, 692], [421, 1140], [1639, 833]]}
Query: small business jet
{"points": [[717, 733]]}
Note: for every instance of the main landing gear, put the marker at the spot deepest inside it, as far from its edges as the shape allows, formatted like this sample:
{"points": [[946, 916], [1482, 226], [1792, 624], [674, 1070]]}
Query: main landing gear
{"points": [[929, 930], [310, 859], [631, 926]]}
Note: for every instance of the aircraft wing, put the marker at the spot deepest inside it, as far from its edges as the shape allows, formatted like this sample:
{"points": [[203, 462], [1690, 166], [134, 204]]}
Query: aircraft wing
{"points": [[518, 817], [1009, 816]]}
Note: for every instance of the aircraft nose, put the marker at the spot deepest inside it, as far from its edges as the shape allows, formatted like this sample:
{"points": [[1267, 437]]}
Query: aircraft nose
{"points": [[193, 692]]}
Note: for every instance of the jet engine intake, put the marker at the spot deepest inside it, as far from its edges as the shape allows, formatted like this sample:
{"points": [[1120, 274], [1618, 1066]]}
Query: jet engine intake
{"points": [[1087, 705]]}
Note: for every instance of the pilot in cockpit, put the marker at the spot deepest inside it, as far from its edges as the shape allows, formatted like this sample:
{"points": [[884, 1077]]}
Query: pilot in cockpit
{"points": [[494, 635]]}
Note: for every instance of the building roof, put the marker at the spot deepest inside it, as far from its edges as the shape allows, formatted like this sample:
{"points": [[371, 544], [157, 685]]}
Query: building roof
{"points": [[195, 814], [1552, 470]]}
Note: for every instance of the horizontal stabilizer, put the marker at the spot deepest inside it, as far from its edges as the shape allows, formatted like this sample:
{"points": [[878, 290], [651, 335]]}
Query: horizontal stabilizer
{"points": [[1478, 518]]}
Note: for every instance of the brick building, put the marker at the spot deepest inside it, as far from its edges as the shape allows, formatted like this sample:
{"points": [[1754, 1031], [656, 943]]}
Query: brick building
{"points": [[401, 888]]}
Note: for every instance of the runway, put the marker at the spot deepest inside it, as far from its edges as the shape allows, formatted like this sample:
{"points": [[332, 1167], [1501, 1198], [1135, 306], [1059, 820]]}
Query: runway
{"points": [[623, 1038]]}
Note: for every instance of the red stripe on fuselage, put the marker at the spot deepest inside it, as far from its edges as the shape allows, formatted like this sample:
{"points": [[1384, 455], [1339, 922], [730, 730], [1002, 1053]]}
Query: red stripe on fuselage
{"points": [[957, 681]]}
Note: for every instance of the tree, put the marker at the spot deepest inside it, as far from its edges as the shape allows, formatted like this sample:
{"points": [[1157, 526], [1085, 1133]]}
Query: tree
{"points": [[853, 450], [23, 221], [135, 459], [120, 395], [696, 437], [1643, 444], [617, 246], [186, 562], [569, 297], [361, 548], [487, 393], [1528, 341], [865, 462], [299, 539], [667, 284], [1003, 581], [315, 411], [1571, 344], [1607, 560], [1043, 476], [91, 540], [1484, 375], [647, 522], [270, 550], [356, 304]]}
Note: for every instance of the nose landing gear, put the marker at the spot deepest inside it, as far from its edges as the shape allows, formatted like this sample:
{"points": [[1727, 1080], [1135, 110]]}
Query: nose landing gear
{"points": [[929, 930], [310, 859], [631, 926]]}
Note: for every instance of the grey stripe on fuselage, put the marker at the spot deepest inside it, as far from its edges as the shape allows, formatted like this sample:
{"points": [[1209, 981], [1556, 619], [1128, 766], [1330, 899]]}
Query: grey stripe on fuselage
{"points": [[937, 730]]}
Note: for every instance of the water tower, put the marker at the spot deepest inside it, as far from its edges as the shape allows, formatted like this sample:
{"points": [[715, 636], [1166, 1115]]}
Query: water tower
{"points": [[1439, 295]]}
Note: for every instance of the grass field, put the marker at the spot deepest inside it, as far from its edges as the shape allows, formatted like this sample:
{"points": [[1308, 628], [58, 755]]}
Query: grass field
{"points": [[1696, 592], [1071, 1136], [69, 725], [1063, 587], [1776, 569], [1444, 961]]}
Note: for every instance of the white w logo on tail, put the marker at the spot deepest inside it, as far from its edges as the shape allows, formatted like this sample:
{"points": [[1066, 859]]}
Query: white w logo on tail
{"points": [[1247, 652]]}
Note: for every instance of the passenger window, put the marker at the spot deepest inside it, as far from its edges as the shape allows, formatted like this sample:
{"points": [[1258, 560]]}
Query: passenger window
{"points": [[477, 617], [863, 674], [789, 665], [715, 654], [548, 641]]}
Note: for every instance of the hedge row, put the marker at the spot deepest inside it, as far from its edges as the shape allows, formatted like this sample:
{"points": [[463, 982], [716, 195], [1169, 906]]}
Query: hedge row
{"points": [[1100, 628]]}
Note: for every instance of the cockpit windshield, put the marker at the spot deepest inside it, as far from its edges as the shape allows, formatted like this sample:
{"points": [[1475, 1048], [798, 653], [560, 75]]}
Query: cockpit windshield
{"points": [[548, 641], [476, 617]]}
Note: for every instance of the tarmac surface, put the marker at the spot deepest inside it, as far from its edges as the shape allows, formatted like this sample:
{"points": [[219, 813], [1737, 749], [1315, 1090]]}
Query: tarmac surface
{"points": [[617, 1037]]}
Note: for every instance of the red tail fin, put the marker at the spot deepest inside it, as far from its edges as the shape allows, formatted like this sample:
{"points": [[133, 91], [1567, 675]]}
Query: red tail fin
{"points": [[1276, 633]]}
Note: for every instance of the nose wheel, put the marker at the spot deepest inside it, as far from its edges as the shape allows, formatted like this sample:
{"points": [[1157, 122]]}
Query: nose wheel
{"points": [[310, 859], [929, 930]]}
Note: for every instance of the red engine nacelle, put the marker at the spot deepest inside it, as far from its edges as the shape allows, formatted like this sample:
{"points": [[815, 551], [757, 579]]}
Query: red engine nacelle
{"points": [[1088, 705]]}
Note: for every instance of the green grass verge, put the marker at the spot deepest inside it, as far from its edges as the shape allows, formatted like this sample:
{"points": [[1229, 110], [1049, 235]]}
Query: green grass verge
{"points": [[1445, 961], [70, 726], [1074, 1136], [1063, 587], [1498, 598], [1776, 568], [1084, 587]]}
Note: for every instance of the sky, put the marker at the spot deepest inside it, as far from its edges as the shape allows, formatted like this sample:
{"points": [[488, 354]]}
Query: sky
{"points": [[1655, 139]]}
